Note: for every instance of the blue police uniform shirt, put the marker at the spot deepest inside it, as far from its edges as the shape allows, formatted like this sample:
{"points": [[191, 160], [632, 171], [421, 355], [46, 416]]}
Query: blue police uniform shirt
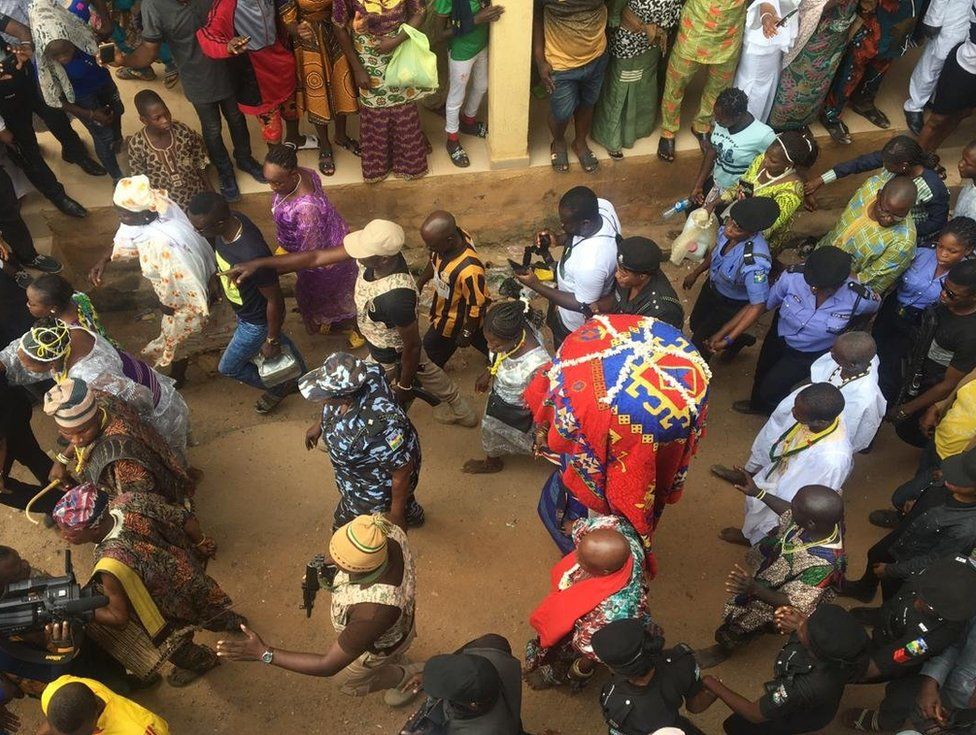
{"points": [[736, 279], [919, 287], [807, 328]]}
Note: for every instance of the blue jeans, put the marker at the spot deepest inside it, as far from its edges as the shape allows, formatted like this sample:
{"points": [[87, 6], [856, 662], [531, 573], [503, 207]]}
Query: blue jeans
{"points": [[245, 346], [578, 87], [105, 136]]}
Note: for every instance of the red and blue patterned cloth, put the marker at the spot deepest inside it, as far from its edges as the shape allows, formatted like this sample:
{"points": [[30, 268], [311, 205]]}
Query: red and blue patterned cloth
{"points": [[626, 400]]}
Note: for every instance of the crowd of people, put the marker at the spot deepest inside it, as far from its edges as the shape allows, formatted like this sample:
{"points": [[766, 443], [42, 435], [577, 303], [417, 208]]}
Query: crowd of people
{"points": [[873, 321]]}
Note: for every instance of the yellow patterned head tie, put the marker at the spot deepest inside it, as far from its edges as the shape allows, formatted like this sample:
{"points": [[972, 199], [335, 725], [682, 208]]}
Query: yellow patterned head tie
{"points": [[47, 341]]}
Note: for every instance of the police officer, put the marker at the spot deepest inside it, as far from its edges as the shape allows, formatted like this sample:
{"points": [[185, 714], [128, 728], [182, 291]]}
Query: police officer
{"points": [[809, 677], [816, 301], [641, 288], [648, 684], [927, 616], [738, 274]]}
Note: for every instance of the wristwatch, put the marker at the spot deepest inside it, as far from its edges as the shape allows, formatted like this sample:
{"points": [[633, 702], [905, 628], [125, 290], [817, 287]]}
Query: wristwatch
{"points": [[268, 656]]}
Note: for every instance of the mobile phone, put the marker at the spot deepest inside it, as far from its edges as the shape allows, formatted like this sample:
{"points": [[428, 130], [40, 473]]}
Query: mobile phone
{"points": [[106, 52], [518, 267], [782, 21]]}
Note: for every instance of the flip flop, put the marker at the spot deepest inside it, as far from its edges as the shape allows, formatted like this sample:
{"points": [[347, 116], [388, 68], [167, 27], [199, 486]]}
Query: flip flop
{"points": [[310, 142], [267, 403], [171, 79], [615, 155], [559, 160], [350, 145], [665, 149], [588, 161], [862, 720], [129, 74], [459, 156], [326, 162], [875, 116]]}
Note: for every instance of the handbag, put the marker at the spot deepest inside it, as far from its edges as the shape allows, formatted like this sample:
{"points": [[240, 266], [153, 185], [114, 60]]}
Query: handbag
{"points": [[517, 417], [413, 64]]}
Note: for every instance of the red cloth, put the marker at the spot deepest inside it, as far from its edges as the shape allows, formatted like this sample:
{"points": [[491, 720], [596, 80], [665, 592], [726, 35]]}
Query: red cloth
{"points": [[628, 457], [264, 78], [556, 615]]}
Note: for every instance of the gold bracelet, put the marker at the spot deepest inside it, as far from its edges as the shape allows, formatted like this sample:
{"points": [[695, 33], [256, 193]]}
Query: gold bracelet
{"points": [[762, 494], [61, 458]]}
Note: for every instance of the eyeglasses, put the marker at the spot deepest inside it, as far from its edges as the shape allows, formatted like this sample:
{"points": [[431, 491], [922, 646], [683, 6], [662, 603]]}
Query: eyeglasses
{"points": [[883, 210], [949, 294]]}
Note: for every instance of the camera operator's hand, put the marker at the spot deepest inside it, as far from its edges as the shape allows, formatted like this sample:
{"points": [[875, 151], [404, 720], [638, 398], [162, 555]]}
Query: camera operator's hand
{"points": [[529, 278], [250, 648], [58, 638]]}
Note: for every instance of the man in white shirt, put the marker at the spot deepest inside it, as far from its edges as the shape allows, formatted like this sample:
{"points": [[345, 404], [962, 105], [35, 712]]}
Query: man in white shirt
{"points": [[852, 366], [807, 447], [585, 272], [966, 203], [955, 93]]}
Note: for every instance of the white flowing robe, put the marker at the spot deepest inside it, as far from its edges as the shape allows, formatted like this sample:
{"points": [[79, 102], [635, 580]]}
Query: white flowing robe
{"points": [[762, 58], [828, 462], [102, 369], [864, 404]]}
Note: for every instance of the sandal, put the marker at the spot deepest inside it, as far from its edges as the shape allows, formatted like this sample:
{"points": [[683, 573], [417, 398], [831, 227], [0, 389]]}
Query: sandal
{"points": [[478, 129], [308, 144], [350, 145], [171, 79], [702, 138], [616, 155], [838, 131], [129, 74], [588, 161], [665, 149], [873, 115], [559, 159], [862, 720], [459, 156], [326, 162], [267, 403]]}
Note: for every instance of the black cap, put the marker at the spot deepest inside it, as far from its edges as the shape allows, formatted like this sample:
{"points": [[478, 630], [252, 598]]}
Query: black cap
{"points": [[461, 677], [639, 254], [827, 267], [754, 214], [835, 635], [948, 586], [960, 469]]}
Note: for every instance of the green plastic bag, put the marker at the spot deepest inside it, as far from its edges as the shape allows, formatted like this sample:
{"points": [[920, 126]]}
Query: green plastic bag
{"points": [[413, 63]]}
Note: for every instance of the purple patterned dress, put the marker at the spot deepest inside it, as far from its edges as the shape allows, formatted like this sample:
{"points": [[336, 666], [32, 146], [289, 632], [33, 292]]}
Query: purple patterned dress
{"points": [[310, 222]]}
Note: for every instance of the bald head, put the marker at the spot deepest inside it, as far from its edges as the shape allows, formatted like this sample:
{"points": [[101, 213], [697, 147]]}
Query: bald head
{"points": [[818, 509], [853, 351], [440, 232], [603, 551], [895, 201]]}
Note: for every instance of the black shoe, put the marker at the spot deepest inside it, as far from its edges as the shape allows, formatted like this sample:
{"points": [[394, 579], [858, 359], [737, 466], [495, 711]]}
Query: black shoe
{"points": [[70, 207], [885, 518], [88, 165], [838, 131], [857, 590], [229, 190], [45, 264], [915, 121], [746, 408], [23, 279], [253, 168]]}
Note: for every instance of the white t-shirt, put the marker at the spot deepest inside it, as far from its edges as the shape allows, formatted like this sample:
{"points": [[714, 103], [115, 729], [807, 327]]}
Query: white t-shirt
{"points": [[587, 271], [966, 203], [966, 54]]}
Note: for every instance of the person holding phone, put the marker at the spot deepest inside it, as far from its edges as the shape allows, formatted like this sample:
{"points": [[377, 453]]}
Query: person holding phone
{"points": [[71, 79]]}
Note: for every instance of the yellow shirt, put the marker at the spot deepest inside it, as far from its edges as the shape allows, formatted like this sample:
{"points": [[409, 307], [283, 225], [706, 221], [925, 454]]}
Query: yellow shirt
{"points": [[957, 429], [121, 716], [575, 32]]}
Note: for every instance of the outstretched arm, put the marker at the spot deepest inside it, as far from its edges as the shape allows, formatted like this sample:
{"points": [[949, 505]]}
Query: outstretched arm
{"points": [[289, 263]]}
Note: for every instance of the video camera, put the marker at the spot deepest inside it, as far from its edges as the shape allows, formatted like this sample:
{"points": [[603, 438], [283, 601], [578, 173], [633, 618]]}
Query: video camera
{"points": [[35, 602], [544, 269], [316, 572]]}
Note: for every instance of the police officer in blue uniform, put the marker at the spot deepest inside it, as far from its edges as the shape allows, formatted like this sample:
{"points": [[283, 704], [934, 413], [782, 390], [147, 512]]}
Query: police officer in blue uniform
{"points": [[815, 302], [738, 273], [808, 682]]}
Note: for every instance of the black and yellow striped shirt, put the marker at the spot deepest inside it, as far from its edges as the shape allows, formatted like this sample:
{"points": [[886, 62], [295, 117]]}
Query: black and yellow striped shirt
{"points": [[460, 291]]}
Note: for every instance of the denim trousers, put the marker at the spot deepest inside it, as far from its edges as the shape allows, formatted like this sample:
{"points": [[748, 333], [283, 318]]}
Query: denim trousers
{"points": [[244, 346], [210, 127], [104, 136]]}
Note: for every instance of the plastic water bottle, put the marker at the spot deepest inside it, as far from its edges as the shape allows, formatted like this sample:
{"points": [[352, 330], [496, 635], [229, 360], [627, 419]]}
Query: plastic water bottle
{"points": [[676, 208]]}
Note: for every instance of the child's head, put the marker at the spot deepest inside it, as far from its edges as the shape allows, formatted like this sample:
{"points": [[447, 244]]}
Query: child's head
{"points": [[817, 405], [505, 325], [731, 107], [60, 50], [153, 112]]}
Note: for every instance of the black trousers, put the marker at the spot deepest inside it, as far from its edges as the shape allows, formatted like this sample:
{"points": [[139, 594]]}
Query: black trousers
{"points": [[892, 332], [19, 100], [559, 331], [739, 725], [711, 312], [12, 225], [440, 348], [899, 702], [779, 369], [210, 127], [22, 447]]}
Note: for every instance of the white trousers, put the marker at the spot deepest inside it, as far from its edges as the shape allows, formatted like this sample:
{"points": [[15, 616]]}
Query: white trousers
{"points": [[475, 71], [921, 86], [758, 76]]}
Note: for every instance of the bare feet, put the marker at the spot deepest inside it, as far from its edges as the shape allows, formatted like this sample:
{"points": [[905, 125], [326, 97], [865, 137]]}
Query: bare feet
{"points": [[734, 536], [486, 466]]}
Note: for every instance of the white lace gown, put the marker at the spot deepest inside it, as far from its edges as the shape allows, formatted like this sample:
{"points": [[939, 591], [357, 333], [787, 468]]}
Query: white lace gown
{"points": [[102, 369], [497, 437]]}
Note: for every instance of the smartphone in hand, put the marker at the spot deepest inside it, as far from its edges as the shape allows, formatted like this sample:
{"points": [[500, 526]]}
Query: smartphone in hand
{"points": [[106, 52]]}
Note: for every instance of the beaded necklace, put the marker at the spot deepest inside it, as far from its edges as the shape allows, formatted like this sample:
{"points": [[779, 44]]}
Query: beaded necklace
{"points": [[797, 531], [790, 434], [502, 356]]}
